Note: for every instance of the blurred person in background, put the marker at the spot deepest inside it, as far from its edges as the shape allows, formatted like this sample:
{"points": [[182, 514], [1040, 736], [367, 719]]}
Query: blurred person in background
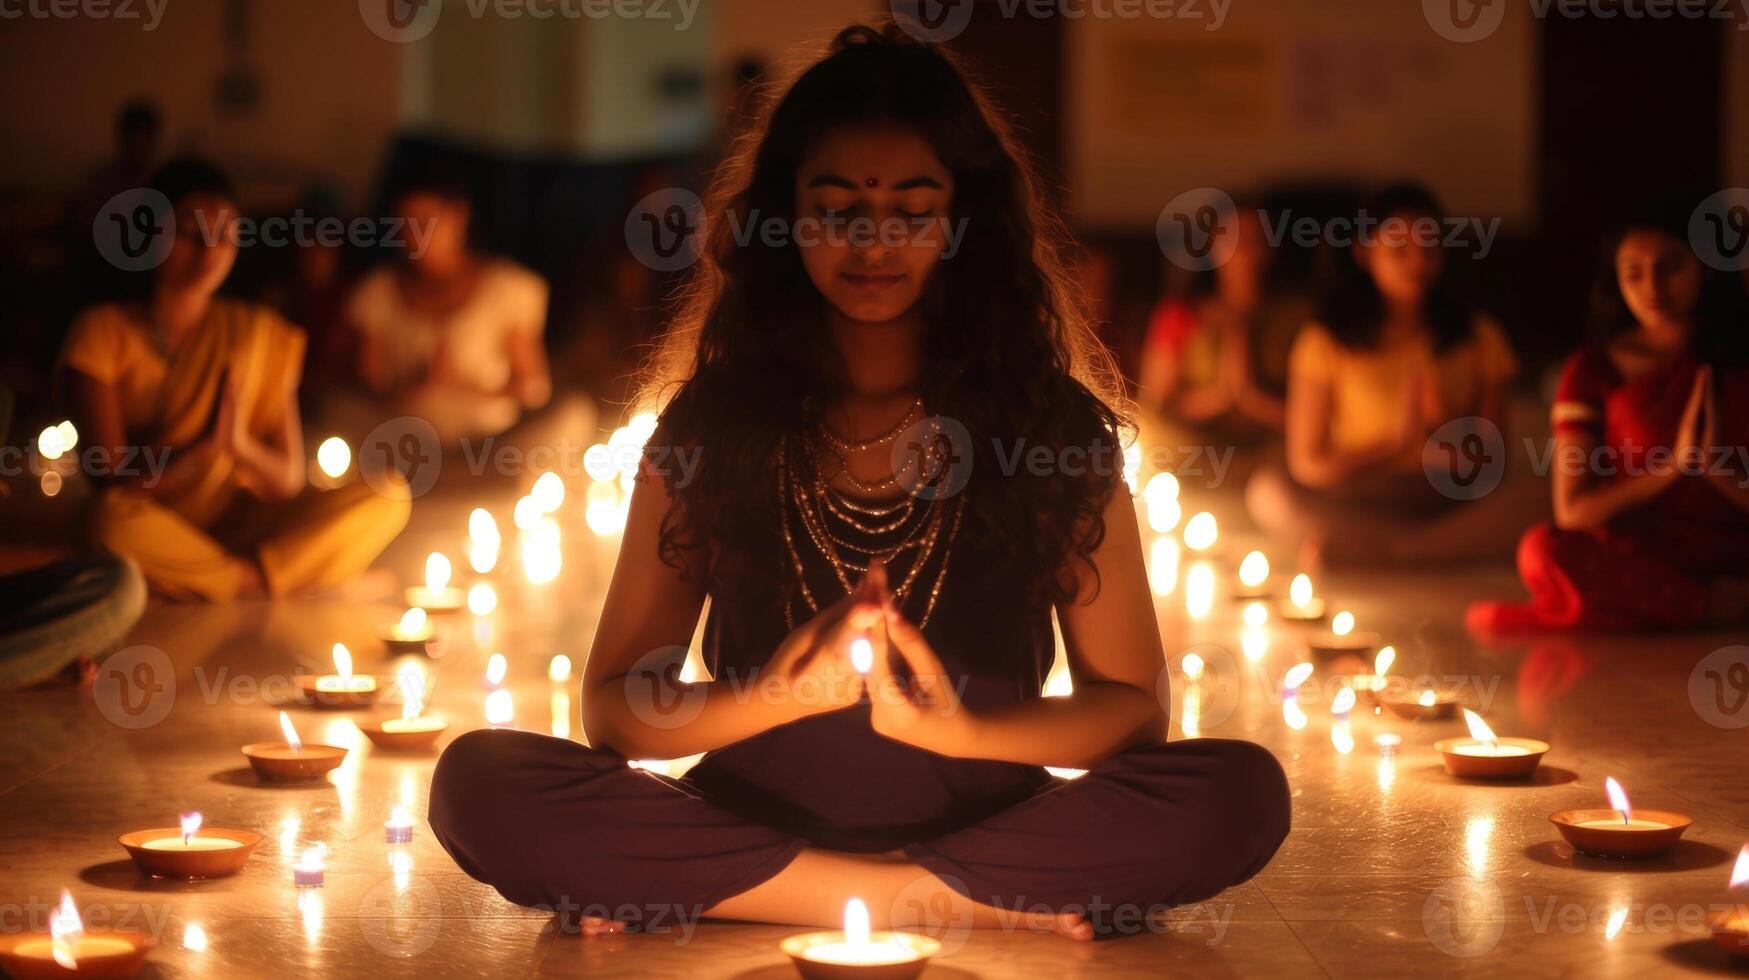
{"points": [[1396, 353], [1637, 543], [447, 334], [211, 385], [1214, 359]]}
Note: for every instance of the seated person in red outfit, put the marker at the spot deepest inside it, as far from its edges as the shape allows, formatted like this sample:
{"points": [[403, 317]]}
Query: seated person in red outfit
{"points": [[1651, 492], [855, 395]]}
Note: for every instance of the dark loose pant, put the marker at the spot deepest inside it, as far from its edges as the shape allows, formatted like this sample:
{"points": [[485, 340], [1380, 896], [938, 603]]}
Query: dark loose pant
{"points": [[552, 823]]}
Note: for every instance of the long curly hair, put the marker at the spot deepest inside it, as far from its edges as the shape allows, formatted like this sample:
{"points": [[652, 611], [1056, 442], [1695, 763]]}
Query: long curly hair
{"points": [[1008, 349]]}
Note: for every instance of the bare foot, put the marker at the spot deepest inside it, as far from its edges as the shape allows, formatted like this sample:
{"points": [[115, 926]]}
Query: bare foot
{"points": [[1072, 925], [595, 925]]}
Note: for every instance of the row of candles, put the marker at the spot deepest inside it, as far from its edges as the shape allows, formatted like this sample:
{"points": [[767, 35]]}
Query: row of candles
{"points": [[193, 851], [1619, 831]]}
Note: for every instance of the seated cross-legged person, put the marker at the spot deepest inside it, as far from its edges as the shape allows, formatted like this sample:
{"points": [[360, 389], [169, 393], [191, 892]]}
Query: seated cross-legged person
{"points": [[207, 386]]}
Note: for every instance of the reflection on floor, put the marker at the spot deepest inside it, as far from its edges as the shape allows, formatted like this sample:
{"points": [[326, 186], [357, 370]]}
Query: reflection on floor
{"points": [[1392, 865]]}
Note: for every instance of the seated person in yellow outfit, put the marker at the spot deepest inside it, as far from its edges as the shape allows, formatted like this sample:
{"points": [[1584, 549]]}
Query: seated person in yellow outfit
{"points": [[1372, 387], [209, 386]]}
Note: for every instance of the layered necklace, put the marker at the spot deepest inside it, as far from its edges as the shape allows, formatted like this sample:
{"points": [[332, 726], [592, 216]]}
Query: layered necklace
{"points": [[910, 534]]}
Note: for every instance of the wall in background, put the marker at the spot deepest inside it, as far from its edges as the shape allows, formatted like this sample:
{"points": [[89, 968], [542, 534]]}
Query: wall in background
{"points": [[328, 93], [1338, 89]]}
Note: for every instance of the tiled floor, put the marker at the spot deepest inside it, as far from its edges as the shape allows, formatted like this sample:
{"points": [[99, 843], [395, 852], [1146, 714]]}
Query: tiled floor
{"points": [[1392, 867]]}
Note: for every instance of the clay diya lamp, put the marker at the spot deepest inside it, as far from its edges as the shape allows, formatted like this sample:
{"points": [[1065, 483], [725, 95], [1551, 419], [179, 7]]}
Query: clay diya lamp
{"points": [[1428, 705], [67, 951], [1370, 687], [1730, 928], [1621, 832], [1486, 756], [437, 595], [292, 760], [414, 731], [1301, 605], [1342, 641], [189, 852], [412, 634], [855, 953], [341, 689]]}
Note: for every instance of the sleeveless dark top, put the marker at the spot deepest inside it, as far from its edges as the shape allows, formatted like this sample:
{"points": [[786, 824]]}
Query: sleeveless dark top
{"points": [[830, 777]]}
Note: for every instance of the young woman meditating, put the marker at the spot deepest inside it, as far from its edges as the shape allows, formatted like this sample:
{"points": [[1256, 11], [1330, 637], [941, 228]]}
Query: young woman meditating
{"points": [[1651, 526], [857, 394]]}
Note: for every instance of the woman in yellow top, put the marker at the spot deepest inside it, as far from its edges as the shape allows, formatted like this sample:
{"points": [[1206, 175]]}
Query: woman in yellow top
{"points": [[1393, 411], [207, 387]]}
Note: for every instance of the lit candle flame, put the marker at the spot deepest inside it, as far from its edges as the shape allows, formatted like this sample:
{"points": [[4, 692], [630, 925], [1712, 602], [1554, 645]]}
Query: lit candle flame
{"points": [[312, 858], [1343, 702], [65, 930], [1617, 919], [1740, 873], [194, 938], [342, 661], [1381, 664], [548, 492], [559, 669], [1192, 665], [861, 654], [1427, 698], [1256, 614], [1342, 736], [412, 622], [500, 709], [291, 734], [412, 692], [334, 457], [496, 668], [1200, 532], [1296, 675], [1479, 729], [483, 540], [437, 572], [856, 922], [190, 824], [1342, 623], [482, 599], [399, 817], [1299, 591], [1254, 570], [1618, 798]]}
